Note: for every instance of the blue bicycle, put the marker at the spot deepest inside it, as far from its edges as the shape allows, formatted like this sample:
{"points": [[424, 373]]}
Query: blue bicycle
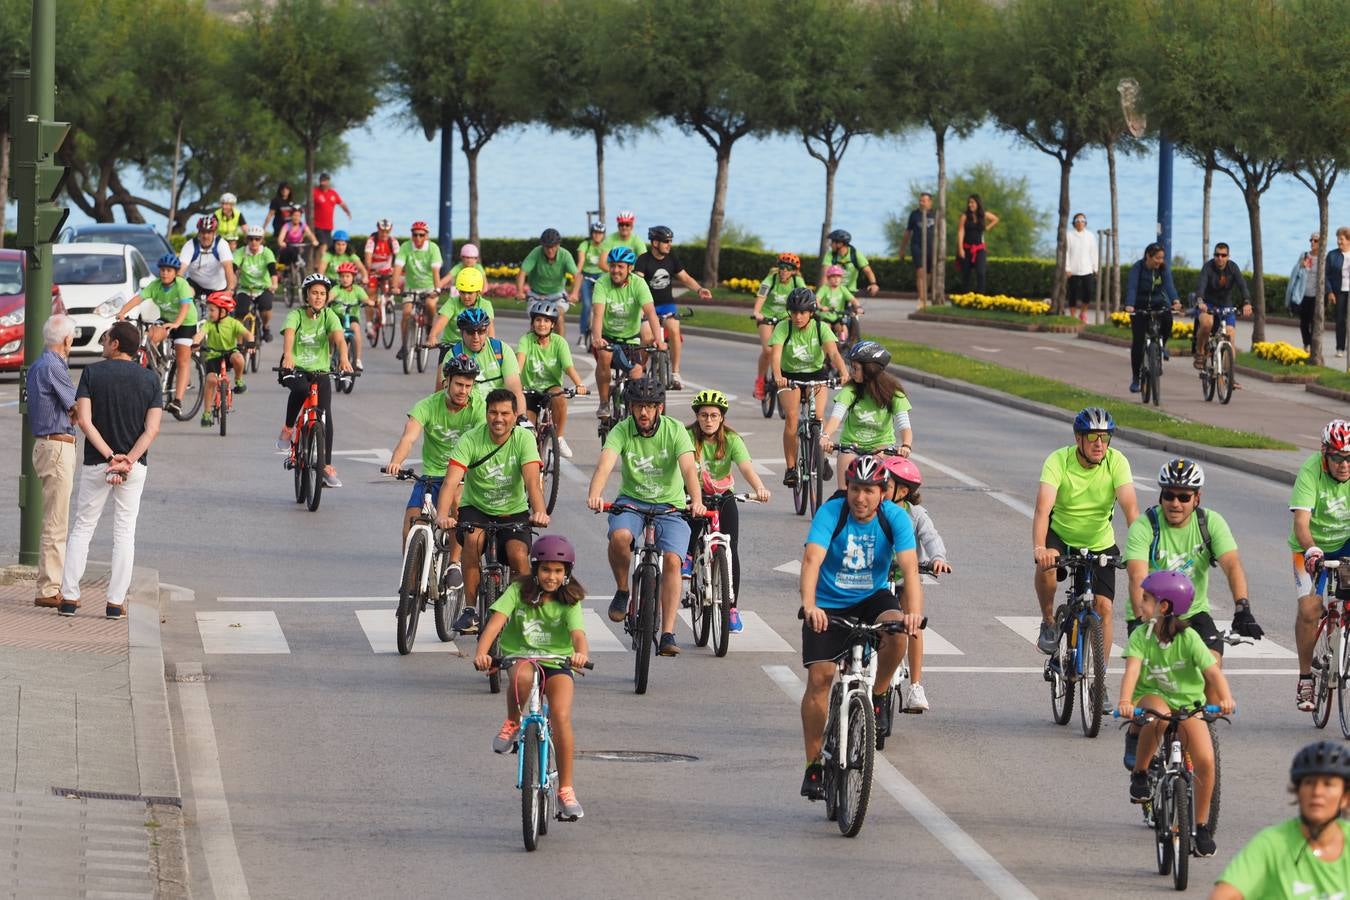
{"points": [[537, 768], [346, 385], [1079, 660]]}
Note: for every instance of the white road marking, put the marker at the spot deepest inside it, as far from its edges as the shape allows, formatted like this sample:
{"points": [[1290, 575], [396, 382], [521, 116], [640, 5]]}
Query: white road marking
{"points": [[208, 795], [380, 628], [598, 634], [757, 637], [177, 593], [1262, 649], [391, 599], [927, 813], [1012, 503], [935, 644], [573, 474], [985, 349], [791, 567], [1048, 349], [241, 632], [1029, 628]]}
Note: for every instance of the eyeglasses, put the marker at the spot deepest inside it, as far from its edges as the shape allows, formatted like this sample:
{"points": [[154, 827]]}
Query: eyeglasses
{"points": [[1220, 255], [1177, 496], [255, 238], [1339, 458], [419, 234], [473, 331], [1096, 437]]}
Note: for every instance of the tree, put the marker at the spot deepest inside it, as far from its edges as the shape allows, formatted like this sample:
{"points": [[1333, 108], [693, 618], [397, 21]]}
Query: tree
{"points": [[1052, 71], [724, 86], [315, 64], [1021, 221], [448, 67]]}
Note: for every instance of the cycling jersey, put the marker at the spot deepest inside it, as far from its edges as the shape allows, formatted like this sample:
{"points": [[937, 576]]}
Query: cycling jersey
{"points": [[222, 337], [650, 466], [382, 253], [1327, 499], [170, 299], [493, 482], [1085, 497], [590, 253], [544, 365], [542, 630], [205, 265], [495, 363], [1181, 550], [442, 427], [803, 348], [776, 293], [309, 348], [866, 423], [451, 307], [621, 306], [418, 264], [254, 270], [857, 560], [851, 261], [1174, 672], [544, 277], [1279, 863], [227, 227]]}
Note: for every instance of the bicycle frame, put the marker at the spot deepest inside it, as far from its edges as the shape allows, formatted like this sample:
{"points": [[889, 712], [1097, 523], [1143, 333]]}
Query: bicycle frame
{"points": [[713, 537], [425, 523], [856, 675], [537, 713]]}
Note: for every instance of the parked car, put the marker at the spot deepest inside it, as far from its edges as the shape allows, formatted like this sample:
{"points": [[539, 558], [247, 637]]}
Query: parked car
{"points": [[12, 268], [96, 281], [143, 237]]}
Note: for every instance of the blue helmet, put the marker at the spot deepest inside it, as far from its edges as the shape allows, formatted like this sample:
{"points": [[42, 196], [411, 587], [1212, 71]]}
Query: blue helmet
{"points": [[1093, 418], [472, 319], [622, 255], [341, 235], [169, 261]]}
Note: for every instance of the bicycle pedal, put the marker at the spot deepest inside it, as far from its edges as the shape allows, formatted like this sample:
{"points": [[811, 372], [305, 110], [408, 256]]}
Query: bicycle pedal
{"points": [[288, 464], [562, 818]]}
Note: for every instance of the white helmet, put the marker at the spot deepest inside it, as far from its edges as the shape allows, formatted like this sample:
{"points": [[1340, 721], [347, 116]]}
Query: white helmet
{"points": [[228, 198], [253, 231]]}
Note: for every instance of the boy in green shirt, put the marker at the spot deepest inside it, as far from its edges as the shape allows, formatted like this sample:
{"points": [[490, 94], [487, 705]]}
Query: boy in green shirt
{"points": [[341, 253], [220, 340], [417, 267], [544, 359], [468, 259], [496, 362], [624, 237], [835, 300], [622, 311], [544, 273], [178, 319]]}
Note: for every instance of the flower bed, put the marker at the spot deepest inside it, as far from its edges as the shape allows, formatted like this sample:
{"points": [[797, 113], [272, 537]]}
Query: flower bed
{"points": [[1281, 352], [1002, 303], [1179, 329], [742, 285]]}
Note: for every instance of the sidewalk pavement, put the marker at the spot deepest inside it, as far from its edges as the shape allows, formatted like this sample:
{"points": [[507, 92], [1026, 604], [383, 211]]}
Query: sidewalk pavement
{"points": [[90, 804]]}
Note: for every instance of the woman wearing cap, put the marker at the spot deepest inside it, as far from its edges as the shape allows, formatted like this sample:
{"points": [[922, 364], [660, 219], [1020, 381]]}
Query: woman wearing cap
{"points": [[468, 259]]}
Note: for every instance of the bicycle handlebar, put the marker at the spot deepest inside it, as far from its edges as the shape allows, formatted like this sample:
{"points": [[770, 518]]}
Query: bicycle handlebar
{"points": [[411, 475], [565, 392], [626, 507], [315, 376], [1209, 712], [501, 662], [1086, 559], [890, 627], [794, 384]]}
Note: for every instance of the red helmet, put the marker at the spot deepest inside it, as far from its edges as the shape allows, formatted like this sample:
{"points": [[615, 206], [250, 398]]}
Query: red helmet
{"points": [[419, 225], [206, 223], [347, 267], [553, 548], [223, 299], [1336, 436], [626, 217], [865, 470], [902, 470]]}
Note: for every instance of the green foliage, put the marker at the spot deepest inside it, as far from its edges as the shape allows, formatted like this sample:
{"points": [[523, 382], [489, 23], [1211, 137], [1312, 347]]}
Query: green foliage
{"points": [[1020, 220], [734, 234]]}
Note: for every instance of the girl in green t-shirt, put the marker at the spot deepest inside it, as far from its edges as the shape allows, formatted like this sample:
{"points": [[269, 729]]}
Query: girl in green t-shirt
{"points": [[341, 253], [872, 408], [544, 358], [540, 615], [771, 305], [346, 299], [716, 448], [835, 300], [469, 284]]}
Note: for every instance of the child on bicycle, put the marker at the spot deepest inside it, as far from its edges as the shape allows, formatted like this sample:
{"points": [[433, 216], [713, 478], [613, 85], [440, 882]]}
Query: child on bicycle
{"points": [[771, 303], [1168, 668], [469, 285], [342, 252], [220, 340], [540, 614], [873, 408], [468, 259], [346, 299], [835, 300], [543, 361], [801, 347], [716, 447]]}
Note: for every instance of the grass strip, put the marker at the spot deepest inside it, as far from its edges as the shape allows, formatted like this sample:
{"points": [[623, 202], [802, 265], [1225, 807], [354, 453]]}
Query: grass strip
{"points": [[1034, 387], [1175, 345], [999, 315]]}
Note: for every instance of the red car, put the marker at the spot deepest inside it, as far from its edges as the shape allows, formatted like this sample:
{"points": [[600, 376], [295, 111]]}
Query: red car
{"points": [[12, 266]]}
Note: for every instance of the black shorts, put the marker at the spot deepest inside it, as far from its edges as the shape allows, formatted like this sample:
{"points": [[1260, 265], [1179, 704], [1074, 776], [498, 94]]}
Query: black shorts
{"points": [[1080, 289], [183, 333], [211, 364], [468, 515], [535, 399], [818, 375], [324, 235], [549, 672], [1103, 577], [827, 645], [243, 302], [1202, 623]]}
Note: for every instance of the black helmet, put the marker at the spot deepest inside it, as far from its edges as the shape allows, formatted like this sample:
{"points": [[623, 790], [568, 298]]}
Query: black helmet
{"points": [[1321, 758], [460, 364], [869, 352], [660, 233], [840, 236], [550, 238], [801, 300], [644, 390]]}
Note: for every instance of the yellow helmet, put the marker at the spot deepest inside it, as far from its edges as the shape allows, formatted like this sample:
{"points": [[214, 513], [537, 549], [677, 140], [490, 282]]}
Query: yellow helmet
{"points": [[469, 280]]}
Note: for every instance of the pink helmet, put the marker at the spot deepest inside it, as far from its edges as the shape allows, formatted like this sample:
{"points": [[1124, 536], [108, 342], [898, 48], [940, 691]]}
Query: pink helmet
{"points": [[834, 270], [553, 548], [902, 470], [468, 250]]}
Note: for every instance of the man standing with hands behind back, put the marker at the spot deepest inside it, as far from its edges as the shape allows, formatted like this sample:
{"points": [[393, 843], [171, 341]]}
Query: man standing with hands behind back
{"points": [[326, 199], [51, 414]]}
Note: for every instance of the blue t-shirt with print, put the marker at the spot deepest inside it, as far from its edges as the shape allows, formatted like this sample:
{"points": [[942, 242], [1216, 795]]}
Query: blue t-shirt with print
{"points": [[857, 561]]}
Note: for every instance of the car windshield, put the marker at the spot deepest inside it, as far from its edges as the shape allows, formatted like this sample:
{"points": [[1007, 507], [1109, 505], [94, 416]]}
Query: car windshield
{"points": [[150, 244], [11, 277], [88, 268]]}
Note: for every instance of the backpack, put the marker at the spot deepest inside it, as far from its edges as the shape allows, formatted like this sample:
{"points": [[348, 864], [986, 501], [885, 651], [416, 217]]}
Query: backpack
{"points": [[852, 257], [496, 346], [843, 518], [215, 249], [1201, 518]]}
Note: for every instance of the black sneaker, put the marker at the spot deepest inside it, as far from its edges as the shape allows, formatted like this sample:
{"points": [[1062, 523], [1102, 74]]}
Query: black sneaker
{"points": [[267, 335], [240, 387], [826, 470], [467, 623], [401, 354], [790, 478], [1131, 747], [813, 782], [1204, 841], [668, 647], [618, 607], [173, 407], [1138, 787], [882, 707], [113, 611]]}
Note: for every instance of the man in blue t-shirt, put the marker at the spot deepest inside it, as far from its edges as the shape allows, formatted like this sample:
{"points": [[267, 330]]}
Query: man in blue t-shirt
{"points": [[846, 572]]}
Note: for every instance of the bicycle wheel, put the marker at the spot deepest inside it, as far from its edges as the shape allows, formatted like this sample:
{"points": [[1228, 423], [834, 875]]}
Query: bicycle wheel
{"points": [[531, 787], [1092, 680], [410, 592], [1145, 383], [1207, 379], [817, 467], [347, 385], [489, 589], [420, 330], [387, 324], [1162, 838], [830, 753], [1342, 673], [856, 787], [1224, 373], [550, 456], [770, 398], [223, 396], [406, 346], [719, 614], [700, 612], [1155, 373], [1322, 677], [314, 456], [1180, 828], [298, 473], [1057, 672], [1218, 780], [646, 626], [801, 491]]}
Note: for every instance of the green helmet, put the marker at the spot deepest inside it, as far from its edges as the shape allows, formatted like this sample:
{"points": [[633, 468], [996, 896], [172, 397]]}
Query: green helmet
{"points": [[709, 397]]}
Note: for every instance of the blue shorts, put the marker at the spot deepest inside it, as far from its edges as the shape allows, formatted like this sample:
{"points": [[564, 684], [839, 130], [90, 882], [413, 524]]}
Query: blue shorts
{"points": [[672, 531], [415, 500], [1229, 319], [667, 309], [619, 359]]}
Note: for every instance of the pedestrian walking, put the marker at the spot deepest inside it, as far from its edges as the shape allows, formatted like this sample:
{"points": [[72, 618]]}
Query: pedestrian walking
{"points": [[971, 253], [1338, 283], [51, 417], [118, 406], [326, 199], [1080, 264], [1301, 294], [920, 231], [279, 208]]}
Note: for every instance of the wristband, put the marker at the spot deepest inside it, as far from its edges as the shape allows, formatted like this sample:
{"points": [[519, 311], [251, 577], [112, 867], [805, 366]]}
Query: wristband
{"points": [[1242, 604], [907, 446]]}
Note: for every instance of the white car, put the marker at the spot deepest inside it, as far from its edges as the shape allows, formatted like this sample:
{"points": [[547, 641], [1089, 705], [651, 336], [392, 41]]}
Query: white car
{"points": [[96, 282]]}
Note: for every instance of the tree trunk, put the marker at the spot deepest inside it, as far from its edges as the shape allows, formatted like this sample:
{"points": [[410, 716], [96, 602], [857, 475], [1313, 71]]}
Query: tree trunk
{"points": [[4, 176], [937, 288], [1320, 297], [719, 211], [600, 173], [1062, 236], [173, 182], [831, 169], [471, 156], [1204, 215], [1253, 200], [1113, 283], [309, 182]]}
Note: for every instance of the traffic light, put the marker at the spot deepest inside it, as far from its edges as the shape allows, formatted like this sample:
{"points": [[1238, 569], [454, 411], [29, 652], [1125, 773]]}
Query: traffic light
{"points": [[37, 181]]}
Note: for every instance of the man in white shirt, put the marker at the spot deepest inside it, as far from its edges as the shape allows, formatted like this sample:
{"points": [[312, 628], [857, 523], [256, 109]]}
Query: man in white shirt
{"points": [[1080, 264]]}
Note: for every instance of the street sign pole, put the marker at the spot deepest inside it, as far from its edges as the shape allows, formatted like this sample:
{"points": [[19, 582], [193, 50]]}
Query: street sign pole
{"points": [[1166, 155]]}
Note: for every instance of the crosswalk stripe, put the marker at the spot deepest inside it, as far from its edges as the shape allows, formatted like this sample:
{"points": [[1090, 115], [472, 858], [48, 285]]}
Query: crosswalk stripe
{"points": [[757, 637], [598, 634], [935, 644], [1262, 649], [241, 632], [1029, 627], [381, 631]]}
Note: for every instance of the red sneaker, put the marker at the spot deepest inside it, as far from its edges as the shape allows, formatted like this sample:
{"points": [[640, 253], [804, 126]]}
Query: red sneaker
{"points": [[759, 388]]}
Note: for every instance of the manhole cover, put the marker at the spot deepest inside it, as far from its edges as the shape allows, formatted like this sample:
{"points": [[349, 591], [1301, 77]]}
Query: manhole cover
{"points": [[635, 756]]}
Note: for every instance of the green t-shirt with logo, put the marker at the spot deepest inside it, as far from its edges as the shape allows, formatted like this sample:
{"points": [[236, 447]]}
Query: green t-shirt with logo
{"points": [[332, 260], [496, 486], [252, 269], [803, 348], [544, 366], [590, 255], [706, 451], [544, 277], [634, 243], [834, 302], [1279, 863], [1181, 550], [1085, 498], [170, 299], [1329, 501], [845, 262], [866, 423], [543, 630], [310, 348], [492, 372], [451, 307], [776, 292], [1174, 672], [620, 307], [222, 336], [442, 427], [418, 265], [650, 466], [346, 301]]}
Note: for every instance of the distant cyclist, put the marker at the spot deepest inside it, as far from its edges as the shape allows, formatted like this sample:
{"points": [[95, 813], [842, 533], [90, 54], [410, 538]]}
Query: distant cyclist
{"points": [[348, 299], [497, 362], [544, 359], [622, 311], [342, 252], [589, 254], [208, 264], [660, 268], [468, 259], [873, 408], [804, 349], [1149, 289], [543, 273], [1214, 290], [221, 337], [842, 253], [417, 267], [177, 320], [623, 237], [771, 303], [229, 220], [468, 294], [381, 248], [292, 236], [257, 287], [308, 333]]}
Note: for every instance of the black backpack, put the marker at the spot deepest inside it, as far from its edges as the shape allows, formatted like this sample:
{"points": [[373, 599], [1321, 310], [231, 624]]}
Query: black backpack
{"points": [[843, 518], [1201, 518]]}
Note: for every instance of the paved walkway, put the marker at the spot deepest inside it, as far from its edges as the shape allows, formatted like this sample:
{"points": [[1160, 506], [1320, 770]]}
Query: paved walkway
{"points": [[89, 792]]}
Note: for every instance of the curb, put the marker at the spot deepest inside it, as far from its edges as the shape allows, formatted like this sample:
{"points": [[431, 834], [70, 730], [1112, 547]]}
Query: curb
{"points": [[1324, 391], [1148, 439], [1273, 377], [924, 315]]}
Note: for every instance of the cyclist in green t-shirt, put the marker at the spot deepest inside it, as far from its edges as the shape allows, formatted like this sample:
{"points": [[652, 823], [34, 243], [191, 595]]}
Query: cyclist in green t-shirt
{"points": [[1306, 857], [256, 266], [658, 471], [342, 252], [346, 299], [836, 300], [624, 237], [307, 335], [771, 304], [544, 358], [220, 340], [873, 408], [417, 267], [622, 311], [468, 259], [468, 295], [544, 272], [1080, 487], [842, 253], [178, 320], [1168, 668], [804, 349], [590, 253], [496, 362]]}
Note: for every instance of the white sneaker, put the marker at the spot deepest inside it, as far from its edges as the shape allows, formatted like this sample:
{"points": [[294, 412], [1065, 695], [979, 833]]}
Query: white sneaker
{"points": [[917, 701], [331, 480], [1340, 353], [565, 450]]}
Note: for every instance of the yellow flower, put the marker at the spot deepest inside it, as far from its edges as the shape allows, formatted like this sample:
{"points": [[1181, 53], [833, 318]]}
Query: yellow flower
{"points": [[1283, 353], [1001, 302]]}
